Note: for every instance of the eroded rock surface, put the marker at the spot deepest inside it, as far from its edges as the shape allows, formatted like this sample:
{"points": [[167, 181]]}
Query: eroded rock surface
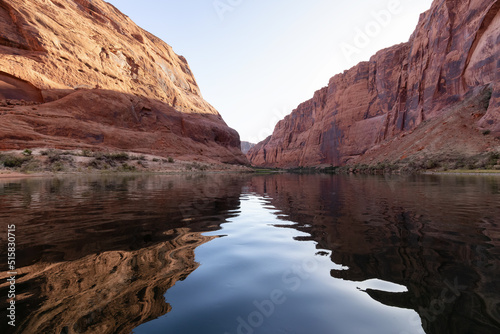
{"points": [[106, 67], [454, 50]]}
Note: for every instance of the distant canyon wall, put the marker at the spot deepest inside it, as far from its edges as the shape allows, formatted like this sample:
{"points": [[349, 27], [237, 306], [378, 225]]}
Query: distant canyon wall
{"points": [[246, 146], [454, 49]]}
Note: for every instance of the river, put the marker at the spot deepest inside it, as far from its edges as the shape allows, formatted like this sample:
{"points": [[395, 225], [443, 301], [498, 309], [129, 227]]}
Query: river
{"points": [[232, 254]]}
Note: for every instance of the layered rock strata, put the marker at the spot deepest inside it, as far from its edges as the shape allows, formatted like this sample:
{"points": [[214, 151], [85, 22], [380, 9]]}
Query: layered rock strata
{"points": [[453, 51], [101, 81]]}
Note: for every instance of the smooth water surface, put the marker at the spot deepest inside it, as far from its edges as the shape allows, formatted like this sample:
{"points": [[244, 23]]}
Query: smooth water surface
{"points": [[230, 254]]}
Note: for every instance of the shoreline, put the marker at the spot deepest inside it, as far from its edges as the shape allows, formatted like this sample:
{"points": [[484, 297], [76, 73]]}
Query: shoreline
{"points": [[39, 162], [7, 175], [13, 175], [460, 172], [16, 175]]}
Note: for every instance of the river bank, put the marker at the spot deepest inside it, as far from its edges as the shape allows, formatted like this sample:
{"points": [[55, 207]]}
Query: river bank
{"points": [[50, 162]]}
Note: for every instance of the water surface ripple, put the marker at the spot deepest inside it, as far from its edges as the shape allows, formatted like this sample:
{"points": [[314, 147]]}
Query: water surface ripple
{"points": [[228, 254]]}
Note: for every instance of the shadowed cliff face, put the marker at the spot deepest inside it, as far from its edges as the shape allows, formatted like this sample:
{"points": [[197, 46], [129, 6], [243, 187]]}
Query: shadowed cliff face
{"points": [[93, 266], [52, 49], [453, 50], [444, 248]]}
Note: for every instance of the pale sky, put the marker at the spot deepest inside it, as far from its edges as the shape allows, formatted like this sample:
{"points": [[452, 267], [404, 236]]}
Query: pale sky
{"points": [[256, 60]]}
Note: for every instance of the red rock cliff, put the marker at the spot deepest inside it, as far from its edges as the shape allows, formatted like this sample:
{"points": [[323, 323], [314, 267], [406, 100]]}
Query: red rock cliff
{"points": [[144, 94], [454, 49]]}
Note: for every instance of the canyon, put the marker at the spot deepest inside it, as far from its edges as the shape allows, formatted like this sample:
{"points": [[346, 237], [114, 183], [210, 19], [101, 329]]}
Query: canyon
{"points": [[246, 146], [81, 75], [445, 78]]}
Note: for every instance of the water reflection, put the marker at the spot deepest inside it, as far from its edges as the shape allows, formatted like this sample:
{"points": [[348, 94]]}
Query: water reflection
{"points": [[438, 236], [101, 255], [97, 255]]}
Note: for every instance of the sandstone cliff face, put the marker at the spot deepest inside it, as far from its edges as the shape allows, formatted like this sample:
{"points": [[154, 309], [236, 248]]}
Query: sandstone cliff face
{"points": [[454, 49], [51, 49]]}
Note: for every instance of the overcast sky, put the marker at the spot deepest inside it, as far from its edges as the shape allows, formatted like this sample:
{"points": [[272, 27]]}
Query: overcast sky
{"points": [[256, 60]]}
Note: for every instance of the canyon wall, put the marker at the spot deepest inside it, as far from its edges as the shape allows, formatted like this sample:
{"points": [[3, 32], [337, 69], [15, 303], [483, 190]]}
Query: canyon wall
{"points": [[246, 146], [89, 56], [453, 52]]}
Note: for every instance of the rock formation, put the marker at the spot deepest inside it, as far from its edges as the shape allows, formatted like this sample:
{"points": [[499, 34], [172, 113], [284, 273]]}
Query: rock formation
{"points": [[246, 146], [100, 82], [453, 52]]}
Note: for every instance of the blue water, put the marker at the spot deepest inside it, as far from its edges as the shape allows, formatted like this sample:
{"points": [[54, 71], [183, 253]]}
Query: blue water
{"points": [[257, 278], [232, 254]]}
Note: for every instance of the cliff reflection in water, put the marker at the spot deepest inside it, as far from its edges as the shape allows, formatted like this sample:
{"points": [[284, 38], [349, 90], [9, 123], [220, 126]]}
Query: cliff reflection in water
{"points": [[97, 255], [438, 236]]}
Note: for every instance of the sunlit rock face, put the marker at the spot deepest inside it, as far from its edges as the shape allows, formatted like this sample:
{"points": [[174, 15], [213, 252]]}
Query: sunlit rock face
{"points": [[454, 50], [101, 81]]}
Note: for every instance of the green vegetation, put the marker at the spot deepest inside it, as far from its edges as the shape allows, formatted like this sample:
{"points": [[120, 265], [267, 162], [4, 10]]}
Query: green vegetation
{"points": [[478, 171], [57, 166], [484, 163], [87, 153], [24, 163], [122, 156], [138, 158], [106, 161], [306, 170], [258, 170], [197, 166], [31, 166], [12, 161], [64, 161], [127, 168], [54, 160], [481, 162]]}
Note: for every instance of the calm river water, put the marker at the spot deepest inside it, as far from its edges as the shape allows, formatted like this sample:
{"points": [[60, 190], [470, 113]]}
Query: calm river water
{"points": [[233, 254]]}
